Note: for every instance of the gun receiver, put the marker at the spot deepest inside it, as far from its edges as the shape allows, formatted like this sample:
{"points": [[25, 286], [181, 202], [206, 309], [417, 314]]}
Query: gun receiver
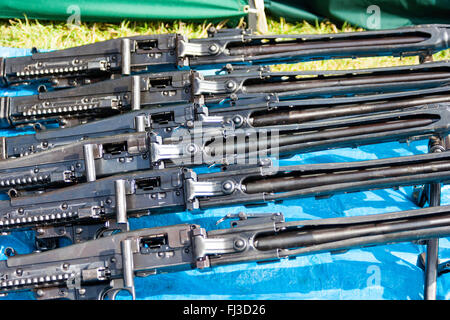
{"points": [[160, 121], [125, 56], [100, 268]]}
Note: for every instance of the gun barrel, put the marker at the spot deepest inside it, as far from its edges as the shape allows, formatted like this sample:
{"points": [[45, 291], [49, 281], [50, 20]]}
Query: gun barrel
{"points": [[294, 238], [299, 116], [322, 235], [350, 131], [355, 130], [329, 45], [388, 81], [291, 182]]}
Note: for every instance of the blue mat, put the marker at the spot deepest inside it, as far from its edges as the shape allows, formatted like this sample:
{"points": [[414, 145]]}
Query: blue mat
{"points": [[384, 272]]}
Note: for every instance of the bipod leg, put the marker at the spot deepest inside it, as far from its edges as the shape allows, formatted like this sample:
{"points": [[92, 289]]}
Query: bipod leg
{"points": [[432, 245]]}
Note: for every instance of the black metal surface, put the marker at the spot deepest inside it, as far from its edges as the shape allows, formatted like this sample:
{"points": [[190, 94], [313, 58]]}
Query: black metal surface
{"points": [[258, 186], [299, 116], [305, 237], [265, 49], [160, 121]]}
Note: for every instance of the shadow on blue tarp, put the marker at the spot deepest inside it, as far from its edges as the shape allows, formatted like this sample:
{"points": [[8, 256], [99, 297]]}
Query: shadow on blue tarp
{"points": [[384, 272]]}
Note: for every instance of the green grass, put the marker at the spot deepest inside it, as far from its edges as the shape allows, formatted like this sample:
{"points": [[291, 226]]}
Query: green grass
{"points": [[23, 33]]}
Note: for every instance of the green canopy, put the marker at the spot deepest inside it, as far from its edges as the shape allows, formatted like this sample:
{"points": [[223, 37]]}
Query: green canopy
{"points": [[369, 14], [118, 10]]}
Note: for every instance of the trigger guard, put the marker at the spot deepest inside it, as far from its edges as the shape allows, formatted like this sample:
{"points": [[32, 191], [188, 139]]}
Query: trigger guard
{"points": [[111, 293]]}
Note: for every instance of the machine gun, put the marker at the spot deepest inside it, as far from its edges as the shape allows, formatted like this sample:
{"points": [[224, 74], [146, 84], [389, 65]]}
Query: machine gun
{"points": [[419, 113], [125, 56], [92, 209], [103, 267], [212, 141], [239, 86]]}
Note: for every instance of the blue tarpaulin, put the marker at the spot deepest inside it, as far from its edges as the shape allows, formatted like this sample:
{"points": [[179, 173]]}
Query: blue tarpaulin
{"points": [[383, 272]]}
